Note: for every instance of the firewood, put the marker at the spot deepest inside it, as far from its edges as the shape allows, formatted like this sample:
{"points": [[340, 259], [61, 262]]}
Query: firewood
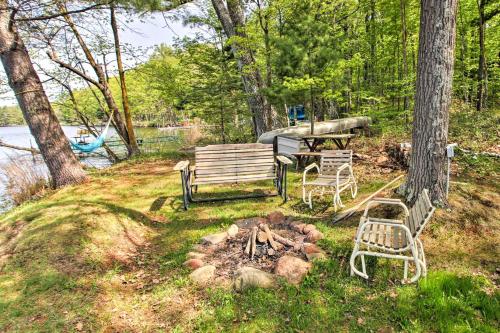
{"points": [[249, 244], [254, 238], [262, 237], [298, 246], [270, 237], [282, 240]]}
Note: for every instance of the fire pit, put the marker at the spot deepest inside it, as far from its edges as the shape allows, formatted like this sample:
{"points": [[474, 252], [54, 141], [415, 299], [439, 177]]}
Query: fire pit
{"points": [[252, 252]]}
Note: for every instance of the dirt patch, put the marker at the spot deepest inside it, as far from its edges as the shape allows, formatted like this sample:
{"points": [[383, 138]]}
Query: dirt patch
{"points": [[149, 168], [9, 239]]}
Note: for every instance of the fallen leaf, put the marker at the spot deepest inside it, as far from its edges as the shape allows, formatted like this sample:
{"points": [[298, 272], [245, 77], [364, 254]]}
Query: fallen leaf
{"points": [[79, 326], [361, 321]]}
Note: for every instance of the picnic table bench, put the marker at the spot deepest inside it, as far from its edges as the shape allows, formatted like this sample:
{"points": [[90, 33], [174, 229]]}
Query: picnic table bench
{"points": [[233, 163]]}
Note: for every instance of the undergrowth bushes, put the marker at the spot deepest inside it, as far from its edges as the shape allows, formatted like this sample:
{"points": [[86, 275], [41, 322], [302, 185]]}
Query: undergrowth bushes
{"points": [[24, 178]]}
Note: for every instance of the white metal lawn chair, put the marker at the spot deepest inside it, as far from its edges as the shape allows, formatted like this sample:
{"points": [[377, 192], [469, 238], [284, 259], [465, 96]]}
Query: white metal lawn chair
{"points": [[396, 239], [334, 175]]}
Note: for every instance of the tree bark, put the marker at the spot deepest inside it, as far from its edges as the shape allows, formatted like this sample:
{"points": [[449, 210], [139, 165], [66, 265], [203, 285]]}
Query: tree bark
{"points": [[264, 25], [404, 39], [462, 55], [233, 20], [123, 86], [482, 71], [432, 100], [63, 165]]}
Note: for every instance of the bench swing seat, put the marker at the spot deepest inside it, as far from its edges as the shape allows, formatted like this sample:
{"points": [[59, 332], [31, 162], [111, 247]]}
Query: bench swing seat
{"points": [[230, 164]]}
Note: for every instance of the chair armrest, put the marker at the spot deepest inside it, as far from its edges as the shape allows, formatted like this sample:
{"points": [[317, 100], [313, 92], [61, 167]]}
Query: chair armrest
{"points": [[182, 165], [283, 160], [385, 201], [342, 168], [388, 221], [311, 166], [307, 169]]}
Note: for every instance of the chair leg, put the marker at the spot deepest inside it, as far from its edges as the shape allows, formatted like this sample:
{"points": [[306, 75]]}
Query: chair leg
{"points": [[337, 201], [418, 266], [354, 270], [284, 185], [355, 191], [405, 274], [423, 262], [310, 199], [185, 190], [363, 264]]}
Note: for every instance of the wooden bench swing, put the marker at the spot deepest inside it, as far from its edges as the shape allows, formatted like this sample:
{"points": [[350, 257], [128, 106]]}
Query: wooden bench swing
{"points": [[233, 163]]}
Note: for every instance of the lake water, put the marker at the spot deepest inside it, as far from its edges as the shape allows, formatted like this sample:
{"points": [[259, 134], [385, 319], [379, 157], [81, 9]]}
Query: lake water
{"points": [[21, 136]]}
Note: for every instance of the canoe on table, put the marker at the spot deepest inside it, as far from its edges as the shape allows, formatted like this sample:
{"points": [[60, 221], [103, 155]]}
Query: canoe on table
{"points": [[322, 127]]}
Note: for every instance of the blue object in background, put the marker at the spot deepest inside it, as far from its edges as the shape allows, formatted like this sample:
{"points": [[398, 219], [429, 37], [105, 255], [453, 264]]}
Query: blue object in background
{"points": [[96, 144], [296, 113]]}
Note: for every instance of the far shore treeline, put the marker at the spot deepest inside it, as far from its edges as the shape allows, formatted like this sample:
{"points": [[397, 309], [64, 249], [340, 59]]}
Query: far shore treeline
{"points": [[11, 115]]}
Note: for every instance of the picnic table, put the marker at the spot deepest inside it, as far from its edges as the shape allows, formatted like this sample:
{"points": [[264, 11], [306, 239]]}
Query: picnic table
{"points": [[321, 138], [313, 141]]}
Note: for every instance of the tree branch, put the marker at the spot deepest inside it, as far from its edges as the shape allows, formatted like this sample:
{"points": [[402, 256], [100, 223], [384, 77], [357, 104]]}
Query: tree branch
{"points": [[53, 56], [31, 150], [55, 15]]}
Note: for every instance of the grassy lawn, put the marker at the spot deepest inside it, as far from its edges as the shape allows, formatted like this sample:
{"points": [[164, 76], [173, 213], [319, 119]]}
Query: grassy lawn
{"points": [[107, 256]]}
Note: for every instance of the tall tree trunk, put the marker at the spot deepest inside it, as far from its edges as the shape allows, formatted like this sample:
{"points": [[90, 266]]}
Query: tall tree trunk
{"points": [[482, 70], [373, 44], [264, 25], [123, 86], [102, 83], [462, 55], [370, 67], [233, 20], [432, 100], [404, 38], [63, 166]]}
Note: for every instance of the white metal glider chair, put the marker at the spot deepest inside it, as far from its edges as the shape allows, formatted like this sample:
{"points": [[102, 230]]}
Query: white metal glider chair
{"points": [[396, 239], [334, 175]]}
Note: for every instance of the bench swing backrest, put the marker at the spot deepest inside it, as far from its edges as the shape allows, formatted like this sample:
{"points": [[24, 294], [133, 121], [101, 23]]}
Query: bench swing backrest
{"points": [[332, 160], [234, 163], [420, 214]]}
